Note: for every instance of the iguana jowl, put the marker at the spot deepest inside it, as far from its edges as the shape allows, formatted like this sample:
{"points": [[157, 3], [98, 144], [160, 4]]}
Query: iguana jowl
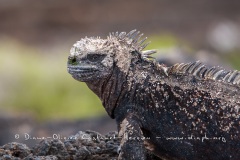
{"points": [[186, 111]]}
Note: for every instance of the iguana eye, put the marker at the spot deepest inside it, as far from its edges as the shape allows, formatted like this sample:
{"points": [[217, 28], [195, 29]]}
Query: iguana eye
{"points": [[95, 57]]}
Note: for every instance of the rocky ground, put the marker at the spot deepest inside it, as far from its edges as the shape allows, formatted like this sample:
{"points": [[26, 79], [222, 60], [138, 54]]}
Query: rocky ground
{"points": [[20, 128], [83, 145], [88, 145]]}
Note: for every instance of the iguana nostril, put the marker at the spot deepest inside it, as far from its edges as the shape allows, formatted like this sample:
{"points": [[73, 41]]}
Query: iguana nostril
{"points": [[72, 60]]}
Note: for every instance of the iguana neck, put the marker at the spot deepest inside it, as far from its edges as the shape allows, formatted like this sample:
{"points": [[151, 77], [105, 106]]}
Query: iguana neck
{"points": [[110, 89], [119, 83]]}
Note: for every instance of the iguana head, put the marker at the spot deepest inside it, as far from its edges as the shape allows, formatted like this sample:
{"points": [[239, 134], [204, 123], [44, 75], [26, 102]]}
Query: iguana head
{"points": [[89, 59], [93, 58]]}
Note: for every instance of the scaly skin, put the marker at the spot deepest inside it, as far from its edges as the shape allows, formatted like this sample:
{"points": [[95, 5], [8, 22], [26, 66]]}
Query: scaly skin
{"points": [[186, 111]]}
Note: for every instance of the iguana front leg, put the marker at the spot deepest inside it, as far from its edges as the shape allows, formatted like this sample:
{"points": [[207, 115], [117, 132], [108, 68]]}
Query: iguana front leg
{"points": [[131, 146]]}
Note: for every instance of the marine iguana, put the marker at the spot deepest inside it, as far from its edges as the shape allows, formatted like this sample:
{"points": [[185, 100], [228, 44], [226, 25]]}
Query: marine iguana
{"points": [[185, 111]]}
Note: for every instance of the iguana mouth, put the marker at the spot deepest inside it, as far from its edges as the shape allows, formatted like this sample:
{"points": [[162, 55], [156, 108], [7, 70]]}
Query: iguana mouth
{"points": [[81, 69], [83, 72]]}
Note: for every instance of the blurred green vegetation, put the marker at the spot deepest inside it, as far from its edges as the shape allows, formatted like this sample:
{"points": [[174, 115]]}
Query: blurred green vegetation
{"points": [[163, 41], [167, 41], [37, 82], [234, 59]]}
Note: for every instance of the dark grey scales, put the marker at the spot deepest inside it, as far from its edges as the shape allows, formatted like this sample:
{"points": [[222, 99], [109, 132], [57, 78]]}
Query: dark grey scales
{"points": [[186, 111]]}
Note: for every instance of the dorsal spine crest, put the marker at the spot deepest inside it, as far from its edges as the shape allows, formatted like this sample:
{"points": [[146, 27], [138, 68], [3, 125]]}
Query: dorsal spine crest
{"points": [[203, 72], [133, 40]]}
